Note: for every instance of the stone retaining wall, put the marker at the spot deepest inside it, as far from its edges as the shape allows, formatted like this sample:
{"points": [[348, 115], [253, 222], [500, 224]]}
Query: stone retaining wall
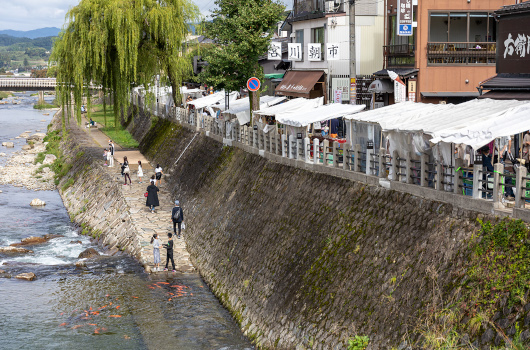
{"points": [[308, 260], [93, 199]]}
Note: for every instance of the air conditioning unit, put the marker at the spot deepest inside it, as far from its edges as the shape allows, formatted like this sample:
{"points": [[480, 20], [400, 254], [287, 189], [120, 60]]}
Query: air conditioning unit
{"points": [[332, 5]]}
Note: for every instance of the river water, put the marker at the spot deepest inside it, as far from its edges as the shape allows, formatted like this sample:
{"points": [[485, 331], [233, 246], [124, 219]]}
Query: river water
{"points": [[111, 305]]}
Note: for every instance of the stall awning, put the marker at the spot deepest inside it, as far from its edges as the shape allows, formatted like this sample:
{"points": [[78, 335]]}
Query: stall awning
{"points": [[210, 100], [381, 87], [319, 114], [297, 104], [274, 76], [298, 83], [241, 108]]}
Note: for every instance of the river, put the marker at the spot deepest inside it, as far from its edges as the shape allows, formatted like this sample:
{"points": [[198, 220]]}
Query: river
{"points": [[112, 304]]}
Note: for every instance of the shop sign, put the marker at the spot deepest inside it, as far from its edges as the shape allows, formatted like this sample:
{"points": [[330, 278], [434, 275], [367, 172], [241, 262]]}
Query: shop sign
{"points": [[513, 45], [337, 96], [314, 52], [353, 91], [404, 21], [332, 51], [275, 51], [412, 90], [400, 91], [294, 51]]}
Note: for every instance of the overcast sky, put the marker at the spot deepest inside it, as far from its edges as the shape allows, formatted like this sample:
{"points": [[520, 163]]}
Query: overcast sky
{"points": [[35, 14]]}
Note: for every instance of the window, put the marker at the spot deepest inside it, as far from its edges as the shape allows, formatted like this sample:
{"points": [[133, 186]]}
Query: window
{"points": [[317, 35], [300, 40]]}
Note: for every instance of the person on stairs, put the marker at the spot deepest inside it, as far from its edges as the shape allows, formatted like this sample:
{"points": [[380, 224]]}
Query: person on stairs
{"points": [[140, 172], [169, 247], [126, 171], [177, 216], [152, 197]]}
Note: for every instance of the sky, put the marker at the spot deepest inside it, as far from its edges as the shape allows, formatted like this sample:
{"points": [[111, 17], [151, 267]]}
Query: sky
{"points": [[34, 14]]}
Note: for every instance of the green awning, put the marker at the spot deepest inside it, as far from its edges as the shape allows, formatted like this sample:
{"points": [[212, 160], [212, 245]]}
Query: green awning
{"points": [[274, 76]]}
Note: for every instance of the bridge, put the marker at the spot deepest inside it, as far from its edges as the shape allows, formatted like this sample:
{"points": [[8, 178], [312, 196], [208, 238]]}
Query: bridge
{"points": [[27, 84]]}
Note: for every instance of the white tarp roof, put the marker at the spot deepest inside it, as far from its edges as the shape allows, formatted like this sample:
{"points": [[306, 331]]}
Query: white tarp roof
{"points": [[185, 90], [438, 120], [318, 114], [510, 122], [297, 104], [241, 108], [210, 100]]}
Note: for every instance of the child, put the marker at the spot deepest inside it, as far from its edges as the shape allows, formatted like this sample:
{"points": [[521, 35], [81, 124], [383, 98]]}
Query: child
{"points": [[169, 247], [156, 251], [140, 172], [105, 152]]}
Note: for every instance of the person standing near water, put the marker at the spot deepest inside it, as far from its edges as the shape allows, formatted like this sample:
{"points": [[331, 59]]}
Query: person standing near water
{"points": [[140, 172], [152, 197], [177, 216], [158, 173], [156, 251], [169, 247]]}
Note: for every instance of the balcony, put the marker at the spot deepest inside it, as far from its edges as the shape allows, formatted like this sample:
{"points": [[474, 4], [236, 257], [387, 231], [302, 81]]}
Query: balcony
{"points": [[401, 55], [304, 10], [460, 53]]}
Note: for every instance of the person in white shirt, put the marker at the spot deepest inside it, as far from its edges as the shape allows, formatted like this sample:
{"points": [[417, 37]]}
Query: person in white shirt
{"points": [[156, 251], [140, 172], [158, 174]]}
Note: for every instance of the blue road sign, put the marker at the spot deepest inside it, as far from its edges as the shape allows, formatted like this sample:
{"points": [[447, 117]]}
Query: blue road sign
{"points": [[253, 84], [405, 29]]}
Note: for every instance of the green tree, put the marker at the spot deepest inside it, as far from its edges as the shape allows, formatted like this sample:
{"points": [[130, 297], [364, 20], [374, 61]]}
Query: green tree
{"points": [[26, 63], [242, 30], [117, 43]]}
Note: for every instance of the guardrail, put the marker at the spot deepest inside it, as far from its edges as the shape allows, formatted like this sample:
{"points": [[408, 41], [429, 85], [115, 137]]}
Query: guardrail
{"points": [[467, 188]]}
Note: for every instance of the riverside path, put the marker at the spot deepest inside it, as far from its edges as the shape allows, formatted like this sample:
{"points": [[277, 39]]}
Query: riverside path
{"points": [[145, 222]]}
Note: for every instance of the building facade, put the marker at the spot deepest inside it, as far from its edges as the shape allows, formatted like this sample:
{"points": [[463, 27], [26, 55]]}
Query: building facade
{"points": [[452, 48]]}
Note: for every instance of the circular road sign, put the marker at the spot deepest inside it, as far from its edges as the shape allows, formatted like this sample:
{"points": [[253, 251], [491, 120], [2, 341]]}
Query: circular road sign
{"points": [[253, 84]]}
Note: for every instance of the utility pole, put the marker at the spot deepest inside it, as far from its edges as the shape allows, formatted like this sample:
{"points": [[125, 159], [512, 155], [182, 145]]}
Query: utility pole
{"points": [[353, 72]]}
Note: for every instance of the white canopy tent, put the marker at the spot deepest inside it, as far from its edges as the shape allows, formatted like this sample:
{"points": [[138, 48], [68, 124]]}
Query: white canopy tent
{"points": [[297, 104], [241, 108], [210, 100], [305, 117]]}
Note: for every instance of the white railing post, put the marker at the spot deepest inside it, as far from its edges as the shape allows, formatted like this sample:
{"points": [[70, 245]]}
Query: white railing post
{"points": [[520, 185], [346, 156], [477, 178], [424, 159], [307, 150], [382, 163], [291, 148], [408, 169], [325, 150], [335, 151], [284, 150], [498, 171], [357, 158]]}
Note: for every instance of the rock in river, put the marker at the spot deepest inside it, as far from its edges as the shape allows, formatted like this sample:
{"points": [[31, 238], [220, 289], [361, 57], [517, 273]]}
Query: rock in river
{"points": [[37, 203], [88, 253], [28, 276], [14, 250], [49, 159], [30, 241], [8, 144]]}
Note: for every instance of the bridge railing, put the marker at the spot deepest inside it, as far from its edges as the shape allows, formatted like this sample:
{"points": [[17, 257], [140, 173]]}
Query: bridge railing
{"points": [[28, 83]]}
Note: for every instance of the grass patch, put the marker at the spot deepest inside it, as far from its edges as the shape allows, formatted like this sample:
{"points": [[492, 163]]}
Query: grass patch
{"points": [[4, 95], [117, 134], [44, 105], [60, 167]]}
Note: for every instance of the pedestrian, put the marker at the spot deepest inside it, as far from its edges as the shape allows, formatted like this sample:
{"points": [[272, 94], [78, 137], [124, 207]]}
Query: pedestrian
{"points": [[177, 216], [111, 154], [156, 251], [169, 247], [152, 180], [105, 157], [158, 173], [152, 197], [126, 171], [140, 172]]}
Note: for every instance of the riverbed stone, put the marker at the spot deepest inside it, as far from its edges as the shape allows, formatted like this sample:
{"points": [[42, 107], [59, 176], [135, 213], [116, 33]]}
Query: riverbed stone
{"points": [[76, 242], [28, 276], [30, 241], [8, 144], [80, 264], [26, 147], [49, 159], [37, 203], [14, 250], [39, 136], [88, 253]]}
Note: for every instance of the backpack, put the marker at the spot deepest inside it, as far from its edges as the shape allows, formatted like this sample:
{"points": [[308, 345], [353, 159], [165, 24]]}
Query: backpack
{"points": [[176, 217]]}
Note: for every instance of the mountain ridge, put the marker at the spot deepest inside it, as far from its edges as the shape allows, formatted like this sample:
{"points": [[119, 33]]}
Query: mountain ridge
{"points": [[32, 34]]}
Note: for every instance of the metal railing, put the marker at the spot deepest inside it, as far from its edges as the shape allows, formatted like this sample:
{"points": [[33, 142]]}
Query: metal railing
{"points": [[461, 53]]}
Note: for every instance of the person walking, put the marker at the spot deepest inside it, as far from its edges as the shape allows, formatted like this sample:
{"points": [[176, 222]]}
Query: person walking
{"points": [[152, 180], [158, 173], [105, 157], [152, 197], [169, 247], [140, 172], [126, 171], [156, 251], [111, 154], [177, 216]]}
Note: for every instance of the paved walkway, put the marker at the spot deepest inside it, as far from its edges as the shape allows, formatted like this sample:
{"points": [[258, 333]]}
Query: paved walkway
{"points": [[147, 223]]}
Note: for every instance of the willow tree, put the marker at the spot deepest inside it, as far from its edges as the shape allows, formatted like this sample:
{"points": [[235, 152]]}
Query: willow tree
{"points": [[242, 30], [117, 44]]}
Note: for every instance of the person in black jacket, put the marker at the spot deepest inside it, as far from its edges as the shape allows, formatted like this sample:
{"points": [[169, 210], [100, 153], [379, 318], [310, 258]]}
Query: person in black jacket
{"points": [[169, 247], [152, 197], [177, 216]]}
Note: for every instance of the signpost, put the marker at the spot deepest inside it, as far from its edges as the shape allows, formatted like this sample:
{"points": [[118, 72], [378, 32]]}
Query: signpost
{"points": [[253, 84], [404, 22]]}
